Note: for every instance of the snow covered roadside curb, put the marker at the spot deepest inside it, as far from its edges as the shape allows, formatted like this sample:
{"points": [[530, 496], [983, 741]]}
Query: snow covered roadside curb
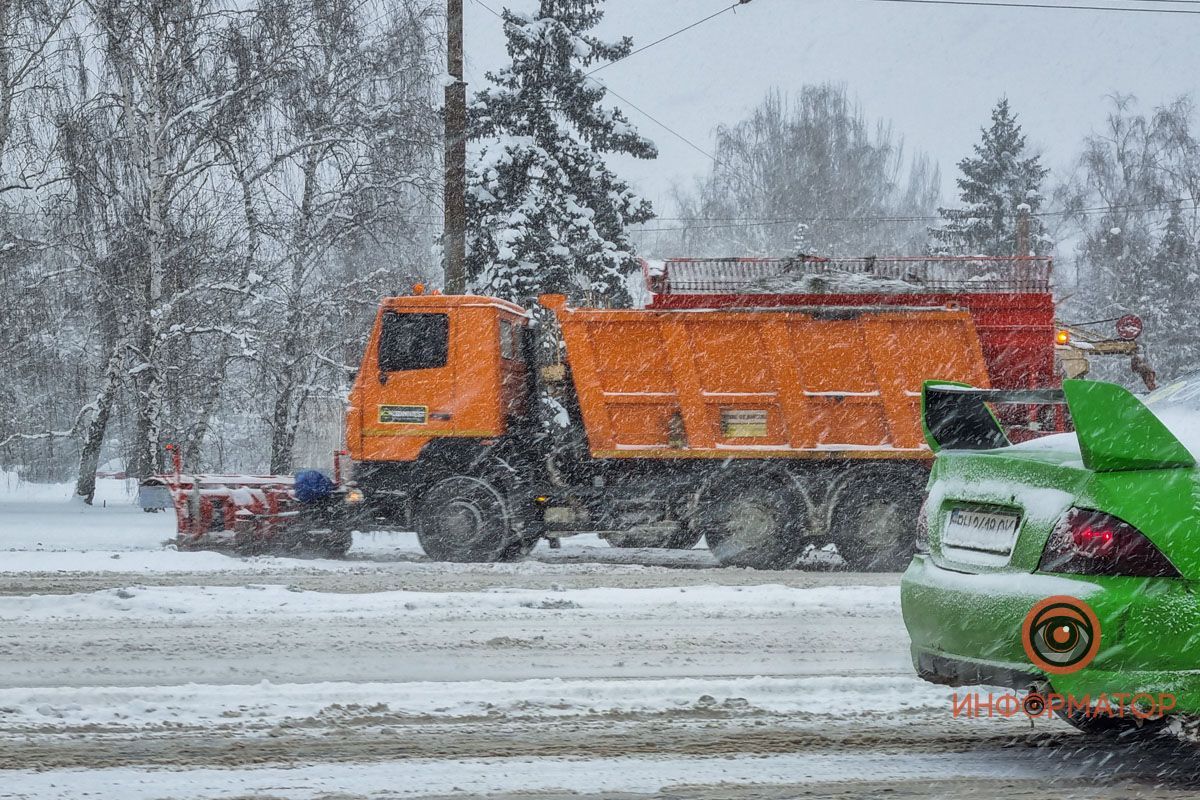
{"points": [[565, 777], [264, 705], [251, 601], [394, 556], [158, 561]]}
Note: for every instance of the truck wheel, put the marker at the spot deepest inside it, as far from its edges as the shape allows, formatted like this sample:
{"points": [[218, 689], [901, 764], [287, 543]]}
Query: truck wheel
{"points": [[752, 521], [875, 521], [462, 518], [685, 538]]}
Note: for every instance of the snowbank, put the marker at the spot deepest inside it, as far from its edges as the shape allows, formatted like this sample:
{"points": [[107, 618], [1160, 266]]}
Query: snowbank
{"points": [[253, 601], [543, 776], [109, 491], [266, 704]]}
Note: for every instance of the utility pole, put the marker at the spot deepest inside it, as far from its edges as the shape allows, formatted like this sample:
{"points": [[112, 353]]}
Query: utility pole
{"points": [[1023, 230], [454, 204]]}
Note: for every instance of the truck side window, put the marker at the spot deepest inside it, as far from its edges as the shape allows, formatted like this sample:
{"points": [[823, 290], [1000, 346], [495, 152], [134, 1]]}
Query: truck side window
{"points": [[413, 341], [510, 341]]}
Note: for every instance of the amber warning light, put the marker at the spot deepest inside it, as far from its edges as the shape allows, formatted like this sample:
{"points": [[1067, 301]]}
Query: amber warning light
{"points": [[1062, 337]]}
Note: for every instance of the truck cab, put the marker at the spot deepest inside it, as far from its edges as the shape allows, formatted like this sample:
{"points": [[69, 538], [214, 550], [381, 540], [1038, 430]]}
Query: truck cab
{"points": [[437, 366]]}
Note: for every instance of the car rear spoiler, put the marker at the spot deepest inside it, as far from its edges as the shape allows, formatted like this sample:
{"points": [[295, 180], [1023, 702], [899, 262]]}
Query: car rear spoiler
{"points": [[1115, 429]]}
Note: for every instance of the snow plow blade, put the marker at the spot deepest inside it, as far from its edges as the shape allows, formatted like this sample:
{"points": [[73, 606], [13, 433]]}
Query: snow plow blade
{"points": [[256, 514]]}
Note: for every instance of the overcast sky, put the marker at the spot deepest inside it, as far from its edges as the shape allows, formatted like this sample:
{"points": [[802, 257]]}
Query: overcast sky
{"points": [[935, 72]]}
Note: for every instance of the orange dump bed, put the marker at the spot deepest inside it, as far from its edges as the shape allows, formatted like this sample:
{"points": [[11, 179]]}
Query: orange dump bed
{"points": [[827, 382]]}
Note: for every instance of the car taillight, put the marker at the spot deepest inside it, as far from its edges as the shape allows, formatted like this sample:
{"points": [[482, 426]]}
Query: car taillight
{"points": [[923, 527], [1089, 542]]}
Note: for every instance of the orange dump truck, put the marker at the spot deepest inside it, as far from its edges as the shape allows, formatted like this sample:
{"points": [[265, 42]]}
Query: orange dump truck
{"points": [[762, 430]]}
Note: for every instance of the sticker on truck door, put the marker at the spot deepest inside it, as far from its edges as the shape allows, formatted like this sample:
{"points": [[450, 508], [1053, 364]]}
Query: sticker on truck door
{"points": [[742, 423], [412, 415]]}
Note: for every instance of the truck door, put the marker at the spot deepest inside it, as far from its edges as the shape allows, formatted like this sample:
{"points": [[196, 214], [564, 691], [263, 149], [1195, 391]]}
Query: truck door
{"points": [[432, 372], [416, 375]]}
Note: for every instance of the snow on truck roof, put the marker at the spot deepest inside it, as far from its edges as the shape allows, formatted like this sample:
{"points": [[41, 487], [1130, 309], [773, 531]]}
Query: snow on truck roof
{"points": [[867, 275], [452, 300]]}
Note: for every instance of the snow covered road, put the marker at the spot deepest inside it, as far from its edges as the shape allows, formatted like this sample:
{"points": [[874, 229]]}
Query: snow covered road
{"points": [[165, 635], [131, 671]]}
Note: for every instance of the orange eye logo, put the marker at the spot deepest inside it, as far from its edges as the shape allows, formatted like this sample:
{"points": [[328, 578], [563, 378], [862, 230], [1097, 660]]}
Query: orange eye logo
{"points": [[1061, 634]]}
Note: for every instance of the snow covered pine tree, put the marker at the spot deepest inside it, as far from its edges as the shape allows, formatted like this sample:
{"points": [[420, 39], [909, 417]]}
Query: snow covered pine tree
{"points": [[994, 185], [544, 211]]}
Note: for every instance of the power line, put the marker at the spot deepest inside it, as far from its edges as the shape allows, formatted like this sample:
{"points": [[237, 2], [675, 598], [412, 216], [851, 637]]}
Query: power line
{"points": [[760, 222], [734, 222], [637, 108], [1195, 202], [751, 222], [712, 227], [1056, 6], [488, 8], [645, 47], [662, 124]]}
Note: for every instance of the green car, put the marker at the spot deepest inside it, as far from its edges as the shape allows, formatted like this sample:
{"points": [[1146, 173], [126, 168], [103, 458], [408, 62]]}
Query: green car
{"points": [[1067, 566]]}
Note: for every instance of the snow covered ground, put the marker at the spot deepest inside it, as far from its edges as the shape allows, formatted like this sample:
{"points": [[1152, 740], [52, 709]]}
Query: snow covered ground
{"points": [[43, 530], [133, 671]]}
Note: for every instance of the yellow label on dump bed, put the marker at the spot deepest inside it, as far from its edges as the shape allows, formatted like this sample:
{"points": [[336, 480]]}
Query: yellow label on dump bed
{"points": [[743, 423]]}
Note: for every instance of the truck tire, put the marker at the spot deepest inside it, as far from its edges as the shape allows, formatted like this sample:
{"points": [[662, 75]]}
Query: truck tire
{"points": [[752, 520], [467, 519], [874, 522]]}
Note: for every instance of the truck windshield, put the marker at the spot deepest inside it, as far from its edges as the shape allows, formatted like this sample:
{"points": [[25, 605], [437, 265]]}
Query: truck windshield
{"points": [[413, 341]]}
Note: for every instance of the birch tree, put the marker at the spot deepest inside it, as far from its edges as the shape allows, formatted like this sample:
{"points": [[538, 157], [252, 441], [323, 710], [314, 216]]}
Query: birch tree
{"points": [[358, 127], [810, 170], [220, 195], [1133, 206]]}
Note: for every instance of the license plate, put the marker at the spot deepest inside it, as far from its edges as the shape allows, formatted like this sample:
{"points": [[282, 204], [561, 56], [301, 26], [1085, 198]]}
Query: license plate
{"points": [[982, 531]]}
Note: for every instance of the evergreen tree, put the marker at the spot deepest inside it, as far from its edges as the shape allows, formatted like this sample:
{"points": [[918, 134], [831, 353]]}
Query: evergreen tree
{"points": [[544, 211], [1176, 251], [995, 185], [1169, 307], [1142, 255]]}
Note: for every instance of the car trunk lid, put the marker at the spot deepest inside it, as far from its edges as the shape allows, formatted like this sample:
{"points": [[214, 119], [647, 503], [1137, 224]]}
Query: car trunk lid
{"points": [[992, 506], [992, 511]]}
